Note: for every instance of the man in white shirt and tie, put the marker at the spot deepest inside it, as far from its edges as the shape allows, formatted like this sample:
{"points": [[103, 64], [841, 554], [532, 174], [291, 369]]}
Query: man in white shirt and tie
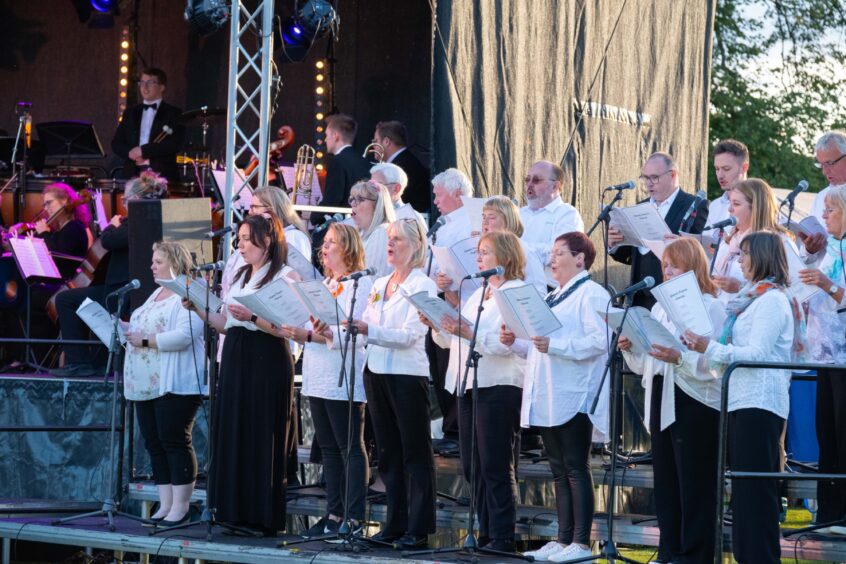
{"points": [[731, 163], [395, 180], [546, 216], [830, 153]]}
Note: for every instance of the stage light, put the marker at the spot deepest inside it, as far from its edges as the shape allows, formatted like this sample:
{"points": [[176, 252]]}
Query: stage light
{"points": [[104, 6], [124, 44], [319, 64], [124, 56], [311, 21], [319, 154], [319, 90], [318, 116], [123, 82], [207, 16], [319, 77]]}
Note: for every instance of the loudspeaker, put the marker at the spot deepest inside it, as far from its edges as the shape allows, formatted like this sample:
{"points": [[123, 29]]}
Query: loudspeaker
{"points": [[186, 220]]}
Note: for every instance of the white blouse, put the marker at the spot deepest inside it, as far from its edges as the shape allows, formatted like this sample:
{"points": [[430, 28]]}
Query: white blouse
{"points": [[826, 327], [762, 333], [238, 289], [535, 273], [322, 362], [376, 251], [499, 365], [694, 377], [564, 382], [299, 240], [177, 364]]}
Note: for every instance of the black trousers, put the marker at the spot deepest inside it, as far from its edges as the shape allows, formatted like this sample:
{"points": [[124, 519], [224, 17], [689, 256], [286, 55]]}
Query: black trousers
{"points": [[399, 406], [754, 447], [684, 459], [73, 327], [831, 436], [166, 424], [331, 429], [438, 363], [497, 435], [568, 448]]}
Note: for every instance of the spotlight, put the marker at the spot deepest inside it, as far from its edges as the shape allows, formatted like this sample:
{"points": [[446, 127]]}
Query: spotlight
{"points": [[311, 21], [207, 16], [104, 6]]}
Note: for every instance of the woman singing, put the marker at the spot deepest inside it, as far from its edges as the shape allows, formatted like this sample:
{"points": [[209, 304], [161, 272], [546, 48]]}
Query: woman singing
{"points": [[342, 254], [373, 212], [682, 415], [560, 405], [500, 214], [396, 378], [251, 417], [764, 324], [500, 381], [164, 374]]}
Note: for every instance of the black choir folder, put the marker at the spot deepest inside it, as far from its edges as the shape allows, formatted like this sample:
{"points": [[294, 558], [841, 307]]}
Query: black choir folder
{"points": [[34, 260]]}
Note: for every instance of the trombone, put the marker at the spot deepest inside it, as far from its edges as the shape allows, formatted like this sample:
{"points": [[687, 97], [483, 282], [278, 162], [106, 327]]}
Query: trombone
{"points": [[303, 174], [378, 151]]}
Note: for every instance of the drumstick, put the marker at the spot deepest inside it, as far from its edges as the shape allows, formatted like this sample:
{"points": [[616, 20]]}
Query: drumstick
{"points": [[166, 130]]}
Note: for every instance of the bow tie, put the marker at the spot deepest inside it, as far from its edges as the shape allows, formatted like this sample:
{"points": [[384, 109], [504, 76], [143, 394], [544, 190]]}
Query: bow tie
{"points": [[150, 106]]}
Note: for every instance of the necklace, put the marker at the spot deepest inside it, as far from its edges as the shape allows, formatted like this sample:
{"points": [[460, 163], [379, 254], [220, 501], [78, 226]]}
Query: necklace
{"points": [[552, 300], [393, 285]]}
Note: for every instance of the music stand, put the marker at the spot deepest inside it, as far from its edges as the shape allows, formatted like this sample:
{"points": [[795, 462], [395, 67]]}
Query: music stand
{"points": [[70, 139]]}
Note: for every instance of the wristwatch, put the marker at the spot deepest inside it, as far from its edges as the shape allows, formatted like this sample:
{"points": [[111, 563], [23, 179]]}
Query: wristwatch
{"points": [[833, 290], [145, 343], [253, 318]]}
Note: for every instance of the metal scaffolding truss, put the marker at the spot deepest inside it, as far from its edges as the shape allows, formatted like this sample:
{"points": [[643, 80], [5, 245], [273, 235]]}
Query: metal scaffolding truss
{"points": [[248, 103]]}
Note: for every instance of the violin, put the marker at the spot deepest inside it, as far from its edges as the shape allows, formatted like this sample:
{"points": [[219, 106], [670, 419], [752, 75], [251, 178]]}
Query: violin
{"points": [[275, 149], [70, 207]]}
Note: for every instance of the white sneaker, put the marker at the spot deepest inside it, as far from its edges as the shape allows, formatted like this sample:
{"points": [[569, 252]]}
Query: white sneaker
{"points": [[543, 553], [572, 552]]}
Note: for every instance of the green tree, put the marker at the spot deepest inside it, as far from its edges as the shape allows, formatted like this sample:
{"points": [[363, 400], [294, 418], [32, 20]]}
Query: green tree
{"points": [[778, 80]]}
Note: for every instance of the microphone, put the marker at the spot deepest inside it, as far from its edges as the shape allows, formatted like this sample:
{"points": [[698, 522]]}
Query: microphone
{"points": [[440, 222], [722, 224], [329, 221], [801, 187], [360, 274], [498, 271], [131, 285], [219, 265], [644, 284], [624, 186], [691, 211], [219, 232]]}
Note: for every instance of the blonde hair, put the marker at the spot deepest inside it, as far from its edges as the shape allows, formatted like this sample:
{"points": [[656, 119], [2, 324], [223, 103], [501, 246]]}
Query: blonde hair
{"points": [[763, 204], [508, 252], [409, 228], [836, 196], [383, 207], [509, 211], [148, 186], [352, 248], [279, 202], [688, 255], [176, 254]]}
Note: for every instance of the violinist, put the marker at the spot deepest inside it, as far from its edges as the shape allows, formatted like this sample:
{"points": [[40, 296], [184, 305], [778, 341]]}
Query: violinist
{"points": [[63, 225], [79, 361]]}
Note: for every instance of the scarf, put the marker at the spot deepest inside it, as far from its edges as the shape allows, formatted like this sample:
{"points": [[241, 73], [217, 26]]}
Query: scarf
{"points": [[552, 300], [733, 254], [745, 297], [834, 249]]}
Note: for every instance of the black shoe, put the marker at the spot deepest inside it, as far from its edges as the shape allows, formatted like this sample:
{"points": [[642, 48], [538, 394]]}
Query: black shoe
{"points": [[81, 370], [355, 533], [500, 545], [152, 522], [385, 537], [324, 526], [445, 447], [410, 542], [164, 523]]}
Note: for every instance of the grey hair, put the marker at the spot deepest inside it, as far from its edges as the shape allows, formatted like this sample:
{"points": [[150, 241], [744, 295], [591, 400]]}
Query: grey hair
{"points": [[834, 137], [392, 174], [666, 157], [836, 196], [454, 180]]}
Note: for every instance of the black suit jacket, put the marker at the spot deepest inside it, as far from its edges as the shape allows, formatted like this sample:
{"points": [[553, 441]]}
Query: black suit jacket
{"points": [[162, 155], [345, 169], [649, 264], [418, 193]]}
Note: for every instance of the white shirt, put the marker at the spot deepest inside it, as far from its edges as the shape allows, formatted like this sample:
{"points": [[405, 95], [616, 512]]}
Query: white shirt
{"points": [[694, 377], [535, 273], [322, 362], [827, 328], [299, 240], [718, 210], [564, 382], [376, 250], [762, 333], [394, 156], [341, 148], [238, 289], [147, 117], [542, 226], [456, 228], [404, 210], [499, 365], [395, 335]]}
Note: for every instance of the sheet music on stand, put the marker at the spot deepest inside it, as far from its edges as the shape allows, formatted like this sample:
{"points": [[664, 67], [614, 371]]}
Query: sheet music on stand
{"points": [[34, 260]]}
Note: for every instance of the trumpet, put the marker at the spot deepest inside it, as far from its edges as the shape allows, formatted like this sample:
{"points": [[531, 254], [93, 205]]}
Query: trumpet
{"points": [[303, 173], [378, 151]]}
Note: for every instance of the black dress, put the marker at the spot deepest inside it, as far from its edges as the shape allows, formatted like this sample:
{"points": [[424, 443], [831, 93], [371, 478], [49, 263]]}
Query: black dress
{"points": [[251, 418]]}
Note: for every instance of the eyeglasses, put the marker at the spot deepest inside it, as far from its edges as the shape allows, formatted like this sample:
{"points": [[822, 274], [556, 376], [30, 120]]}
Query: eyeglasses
{"points": [[147, 82], [536, 180], [257, 207], [483, 253], [826, 211], [653, 178], [48, 203], [355, 200], [829, 164]]}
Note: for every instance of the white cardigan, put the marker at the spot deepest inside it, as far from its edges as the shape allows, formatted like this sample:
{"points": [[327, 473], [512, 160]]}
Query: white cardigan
{"points": [[395, 335]]}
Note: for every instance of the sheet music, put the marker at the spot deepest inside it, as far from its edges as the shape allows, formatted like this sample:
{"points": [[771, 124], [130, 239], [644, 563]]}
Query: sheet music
{"points": [[194, 291], [473, 207], [33, 258], [657, 247], [99, 321], [801, 291], [459, 261], [807, 226], [301, 264], [525, 312], [319, 302], [639, 223], [682, 299], [642, 330], [433, 308], [99, 210], [707, 240], [276, 302]]}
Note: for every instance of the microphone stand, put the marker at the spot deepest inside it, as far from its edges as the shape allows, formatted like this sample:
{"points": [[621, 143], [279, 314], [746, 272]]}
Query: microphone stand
{"points": [[716, 250], [601, 218], [790, 204], [111, 505]]}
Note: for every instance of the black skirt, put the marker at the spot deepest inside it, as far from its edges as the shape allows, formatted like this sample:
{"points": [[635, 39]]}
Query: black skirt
{"points": [[251, 419]]}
